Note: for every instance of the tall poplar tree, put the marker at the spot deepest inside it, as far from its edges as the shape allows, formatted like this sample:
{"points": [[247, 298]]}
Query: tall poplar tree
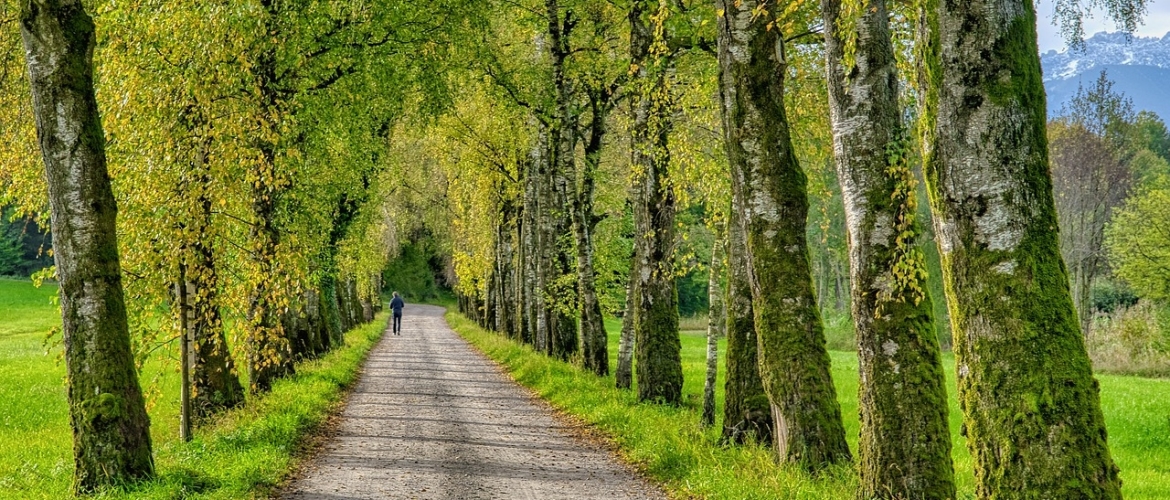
{"points": [[111, 431], [794, 364], [905, 448], [1031, 408]]}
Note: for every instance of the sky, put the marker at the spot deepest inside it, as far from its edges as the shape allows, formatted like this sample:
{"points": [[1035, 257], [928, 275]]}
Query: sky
{"points": [[1157, 23]]}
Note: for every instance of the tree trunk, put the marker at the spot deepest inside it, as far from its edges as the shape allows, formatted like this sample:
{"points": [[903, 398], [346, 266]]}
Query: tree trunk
{"points": [[543, 249], [111, 431], [594, 340], [1031, 408], [657, 346], [624, 374], [528, 256], [213, 374], [905, 447], [794, 364], [563, 133], [331, 311], [716, 322], [214, 382], [747, 414]]}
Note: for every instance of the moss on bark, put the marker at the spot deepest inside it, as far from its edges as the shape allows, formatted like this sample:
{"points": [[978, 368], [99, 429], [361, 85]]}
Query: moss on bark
{"points": [[1032, 415], [746, 411], [111, 431], [904, 446], [794, 364]]}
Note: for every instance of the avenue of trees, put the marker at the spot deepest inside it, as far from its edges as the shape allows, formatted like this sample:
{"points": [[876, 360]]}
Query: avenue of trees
{"points": [[248, 169]]}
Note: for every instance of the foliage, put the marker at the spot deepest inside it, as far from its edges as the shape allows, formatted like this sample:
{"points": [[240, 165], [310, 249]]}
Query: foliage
{"points": [[1139, 241]]}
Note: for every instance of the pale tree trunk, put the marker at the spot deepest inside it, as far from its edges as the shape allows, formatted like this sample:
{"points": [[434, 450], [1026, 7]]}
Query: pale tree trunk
{"points": [[542, 249], [624, 373], [716, 322], [747, 414], [528, 256], [111, 431], [1031, 407], [657, 345], [794, 364], [594, 341], [905, 448]]}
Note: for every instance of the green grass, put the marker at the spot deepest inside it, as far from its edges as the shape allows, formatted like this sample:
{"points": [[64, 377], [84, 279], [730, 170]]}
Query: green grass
{"points": [[669, 445], [243, 453]]}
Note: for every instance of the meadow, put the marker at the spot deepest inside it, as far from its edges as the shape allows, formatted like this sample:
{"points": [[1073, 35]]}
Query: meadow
{"points": [[669, 445], [243, 453]]}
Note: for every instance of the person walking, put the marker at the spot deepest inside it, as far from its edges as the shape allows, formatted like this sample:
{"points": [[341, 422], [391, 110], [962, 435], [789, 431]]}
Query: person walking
{"points": [[397, 304]]}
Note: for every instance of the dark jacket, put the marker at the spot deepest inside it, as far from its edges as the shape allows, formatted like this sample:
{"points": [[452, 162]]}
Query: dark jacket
{"points": [[397, 305]]}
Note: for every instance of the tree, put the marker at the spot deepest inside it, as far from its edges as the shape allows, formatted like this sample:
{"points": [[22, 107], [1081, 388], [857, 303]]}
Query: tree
{"points": [[1138, 240], [111, 432], [716, 322], [1032, 416], [1088, 181], [905, 448], [794, 364], [656, 346], [746, 410]]}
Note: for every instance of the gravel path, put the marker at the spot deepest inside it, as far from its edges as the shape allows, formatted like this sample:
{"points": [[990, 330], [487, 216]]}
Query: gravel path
{"points": [[432, 418]]}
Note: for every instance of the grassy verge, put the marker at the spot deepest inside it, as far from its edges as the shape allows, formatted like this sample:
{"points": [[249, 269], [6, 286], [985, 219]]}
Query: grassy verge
{"points": [[243, 453], [666, 443], [669, 445]]}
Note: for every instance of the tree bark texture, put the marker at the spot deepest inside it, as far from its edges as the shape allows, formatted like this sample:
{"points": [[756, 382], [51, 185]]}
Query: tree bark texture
{"points": [[594, 340], [747, 414], [904, 450], [716, 323], [657, 345], [624, 373], [111, 431], [563, 338], [1031, 408], [794, 364]]}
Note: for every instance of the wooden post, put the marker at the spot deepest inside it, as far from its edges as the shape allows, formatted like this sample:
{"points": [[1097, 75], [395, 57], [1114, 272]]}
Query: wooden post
{"points": [[184, 357]]}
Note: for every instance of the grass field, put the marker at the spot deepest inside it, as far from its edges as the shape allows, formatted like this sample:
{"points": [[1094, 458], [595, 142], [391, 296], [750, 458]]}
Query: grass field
{"points": [[244, 453], [668, 444]]}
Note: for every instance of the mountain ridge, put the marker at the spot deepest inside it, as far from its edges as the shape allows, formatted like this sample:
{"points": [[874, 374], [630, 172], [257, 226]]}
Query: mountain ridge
{"points": [[1138, 66]]}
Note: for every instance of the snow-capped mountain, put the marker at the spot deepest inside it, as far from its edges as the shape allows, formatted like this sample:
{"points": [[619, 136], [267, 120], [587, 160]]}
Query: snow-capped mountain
{"points": [[1138, 66]]}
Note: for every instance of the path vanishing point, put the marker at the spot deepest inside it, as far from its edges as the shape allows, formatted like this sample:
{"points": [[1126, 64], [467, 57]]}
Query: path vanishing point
{"points": [[431, 418]]}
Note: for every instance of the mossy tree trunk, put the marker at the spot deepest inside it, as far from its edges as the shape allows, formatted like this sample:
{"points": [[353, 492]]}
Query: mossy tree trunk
{"points": [[657, 345], [747, 414], [904, 450], [1031, 408], [716, 321], [794, 364], [111, 431]]}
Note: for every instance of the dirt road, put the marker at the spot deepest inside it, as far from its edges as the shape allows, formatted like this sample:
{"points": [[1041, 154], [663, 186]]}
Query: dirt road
{"points": [[431, 418]]}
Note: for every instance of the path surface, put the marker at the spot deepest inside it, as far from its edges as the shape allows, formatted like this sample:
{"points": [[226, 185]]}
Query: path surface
{"points": [[431, 418]]}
